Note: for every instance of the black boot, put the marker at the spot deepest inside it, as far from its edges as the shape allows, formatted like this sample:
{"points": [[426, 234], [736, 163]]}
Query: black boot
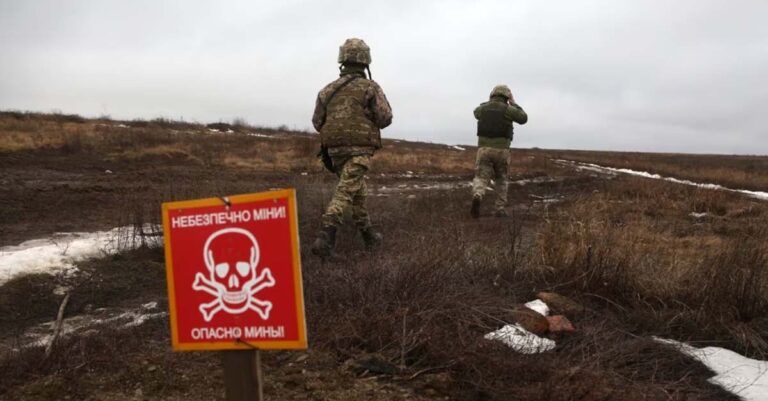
{"points": [[475, 211], [325, 242], [371, 237]]}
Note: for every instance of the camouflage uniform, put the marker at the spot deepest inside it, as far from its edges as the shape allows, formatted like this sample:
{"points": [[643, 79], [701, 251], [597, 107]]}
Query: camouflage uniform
{"points": [[349, 113], [350, 191], [492, 163], [495, 133]]}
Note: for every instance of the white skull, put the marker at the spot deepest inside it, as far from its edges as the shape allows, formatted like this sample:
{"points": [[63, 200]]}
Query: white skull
{"points": [[231, 256]]}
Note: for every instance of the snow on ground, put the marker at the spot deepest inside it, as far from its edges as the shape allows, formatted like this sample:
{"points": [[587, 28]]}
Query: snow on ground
{"points": [[611, 170], [86, 324], [457, 147], [538, 306], [745, 377], [536, 180], [522, 340], [60, 252], [742, 376]]}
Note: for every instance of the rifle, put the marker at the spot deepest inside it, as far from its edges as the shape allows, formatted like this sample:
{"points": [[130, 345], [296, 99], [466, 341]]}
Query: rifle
{"points": [[326, 158]]}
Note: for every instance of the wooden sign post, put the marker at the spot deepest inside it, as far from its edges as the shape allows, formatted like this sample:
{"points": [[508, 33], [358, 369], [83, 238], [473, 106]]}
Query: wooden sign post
{"points": [[234, 281]]}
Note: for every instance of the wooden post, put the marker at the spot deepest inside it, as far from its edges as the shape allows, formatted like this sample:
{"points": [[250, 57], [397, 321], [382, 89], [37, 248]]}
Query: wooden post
{"points": [[259, 376], [242, 375]]}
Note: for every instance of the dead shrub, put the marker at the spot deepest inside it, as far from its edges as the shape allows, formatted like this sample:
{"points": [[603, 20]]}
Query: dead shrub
{"points": [[630, 249]]}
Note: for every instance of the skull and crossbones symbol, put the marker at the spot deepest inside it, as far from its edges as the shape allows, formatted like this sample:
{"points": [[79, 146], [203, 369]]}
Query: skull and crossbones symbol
{"points": [[231, 256]]}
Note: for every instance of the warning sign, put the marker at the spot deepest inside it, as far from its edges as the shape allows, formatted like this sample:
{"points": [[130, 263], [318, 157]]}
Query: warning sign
{"points": [[234, 273]]}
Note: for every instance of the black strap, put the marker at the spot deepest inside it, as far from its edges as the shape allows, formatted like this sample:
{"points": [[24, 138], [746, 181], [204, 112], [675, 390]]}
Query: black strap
{"points": [[338, 88]]}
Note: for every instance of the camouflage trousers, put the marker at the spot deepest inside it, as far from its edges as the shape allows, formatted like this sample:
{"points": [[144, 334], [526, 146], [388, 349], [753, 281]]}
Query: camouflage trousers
{"points": [[492, 163], [350, 191]]}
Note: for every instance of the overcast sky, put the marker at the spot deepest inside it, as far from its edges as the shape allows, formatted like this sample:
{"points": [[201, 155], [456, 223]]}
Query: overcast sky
{"points": [[682, 76]]}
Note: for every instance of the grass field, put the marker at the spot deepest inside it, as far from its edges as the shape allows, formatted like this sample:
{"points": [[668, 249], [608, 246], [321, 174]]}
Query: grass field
{"points": [[643, 257]]}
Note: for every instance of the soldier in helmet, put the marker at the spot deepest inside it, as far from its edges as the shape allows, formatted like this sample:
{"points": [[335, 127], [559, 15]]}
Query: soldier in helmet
{"points": [[494, 131], [349, 113]]}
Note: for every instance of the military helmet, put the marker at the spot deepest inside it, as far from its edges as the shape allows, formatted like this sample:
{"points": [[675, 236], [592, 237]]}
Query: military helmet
{"points": [[354, 50], [501, 90]]}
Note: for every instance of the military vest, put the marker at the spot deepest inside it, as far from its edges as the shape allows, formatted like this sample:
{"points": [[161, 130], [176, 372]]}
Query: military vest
{"points": [[348, 119], [492, 123]]}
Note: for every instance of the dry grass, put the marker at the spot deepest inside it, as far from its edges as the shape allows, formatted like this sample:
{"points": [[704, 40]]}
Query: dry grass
{"points": [[737, 172], [628, 248], [246, 147], [636, 246]]}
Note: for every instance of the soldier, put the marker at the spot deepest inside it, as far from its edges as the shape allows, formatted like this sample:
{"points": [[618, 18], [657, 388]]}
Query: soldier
{"points": [[494, 131], [349, 113]]}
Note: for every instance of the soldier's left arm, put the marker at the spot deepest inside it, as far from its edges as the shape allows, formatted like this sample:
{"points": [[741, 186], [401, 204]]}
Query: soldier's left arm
{"points": [[382, 111]]}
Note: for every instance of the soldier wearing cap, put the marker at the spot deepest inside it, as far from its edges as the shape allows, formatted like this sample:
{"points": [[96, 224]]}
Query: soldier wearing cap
{"points": [[349, 113], [494, 132]]}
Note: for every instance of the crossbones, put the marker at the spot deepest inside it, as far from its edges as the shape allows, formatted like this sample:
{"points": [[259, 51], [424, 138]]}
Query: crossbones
{"points": [[208, 310], [231, 256]]}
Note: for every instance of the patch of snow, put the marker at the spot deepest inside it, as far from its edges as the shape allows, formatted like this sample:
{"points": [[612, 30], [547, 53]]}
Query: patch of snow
{"points": [[547, 199], [149, 305], [213, 130], [698, 215], [122, 126], [59, 253], [229, 131], [108, 171], [40, 335], [61, 290], [400, 188], [521, 340], [538, 306], [256, 134], [742, 376], [537, 180], [457, 147], [304, 173], [613, 171]]}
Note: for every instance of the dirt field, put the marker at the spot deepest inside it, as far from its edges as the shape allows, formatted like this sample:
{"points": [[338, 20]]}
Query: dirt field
{"points": [[643, 257]]}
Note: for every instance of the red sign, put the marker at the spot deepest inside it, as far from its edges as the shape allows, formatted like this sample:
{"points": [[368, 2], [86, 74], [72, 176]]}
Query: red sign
{"points": [[234, 272]]}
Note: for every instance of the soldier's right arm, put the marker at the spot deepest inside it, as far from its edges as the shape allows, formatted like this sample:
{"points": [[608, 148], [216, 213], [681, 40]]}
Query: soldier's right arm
{"points": [[318, 118], [382, 111], [516, 114]]}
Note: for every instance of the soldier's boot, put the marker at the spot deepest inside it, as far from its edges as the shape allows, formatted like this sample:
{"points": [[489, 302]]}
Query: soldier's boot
{"points": [[475, 210], [325, 242], [371, 237]]}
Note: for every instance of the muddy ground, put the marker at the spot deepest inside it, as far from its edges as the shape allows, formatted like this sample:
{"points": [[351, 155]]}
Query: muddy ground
{"points": [[47, 191]]}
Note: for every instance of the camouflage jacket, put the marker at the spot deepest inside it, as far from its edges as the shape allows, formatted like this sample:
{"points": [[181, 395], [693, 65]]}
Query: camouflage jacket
{"points": [[355, 114], [513, 113]]}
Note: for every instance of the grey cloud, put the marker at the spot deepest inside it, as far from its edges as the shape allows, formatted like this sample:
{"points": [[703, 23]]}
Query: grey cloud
{"points": [[683, 76]]}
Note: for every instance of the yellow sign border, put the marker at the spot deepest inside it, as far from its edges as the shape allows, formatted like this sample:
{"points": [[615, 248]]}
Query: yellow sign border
{"points": [[301, 342]]}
